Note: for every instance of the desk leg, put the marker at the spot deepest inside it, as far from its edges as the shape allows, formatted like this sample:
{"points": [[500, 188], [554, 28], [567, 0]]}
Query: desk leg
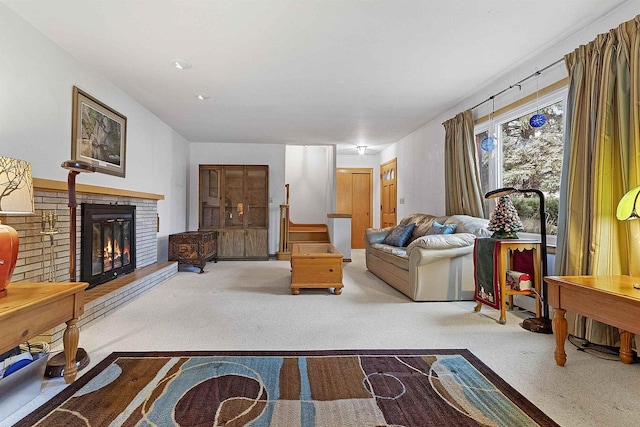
{"points": [[70, 340], [559, 324], [626, 355], [478, 307]]}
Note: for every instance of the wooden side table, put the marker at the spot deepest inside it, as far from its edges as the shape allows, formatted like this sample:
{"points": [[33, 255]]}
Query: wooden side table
{"points": [[506, 247], [194, 248], [32, 308]]}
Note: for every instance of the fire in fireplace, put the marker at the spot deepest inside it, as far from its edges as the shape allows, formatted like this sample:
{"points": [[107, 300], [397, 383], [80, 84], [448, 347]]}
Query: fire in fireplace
{"points": [[107, 248]]}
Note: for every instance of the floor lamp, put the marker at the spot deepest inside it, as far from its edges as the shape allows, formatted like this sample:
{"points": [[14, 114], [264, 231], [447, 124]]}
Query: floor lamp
{"points": [[55, 365], [533, 324], [74, 167]]}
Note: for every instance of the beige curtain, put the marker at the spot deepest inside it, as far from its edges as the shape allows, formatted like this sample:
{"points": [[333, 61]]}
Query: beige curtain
{"points": [[463, 193], [601, 163]]}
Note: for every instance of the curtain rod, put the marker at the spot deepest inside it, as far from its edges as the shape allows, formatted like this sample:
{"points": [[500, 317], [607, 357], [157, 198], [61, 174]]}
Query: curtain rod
{"points": [[537, 73]]}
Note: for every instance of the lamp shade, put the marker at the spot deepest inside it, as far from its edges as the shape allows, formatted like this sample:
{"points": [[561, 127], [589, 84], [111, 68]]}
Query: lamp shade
{"points": [[16, 197], [16, 187], [500, 192], [627, 205]]}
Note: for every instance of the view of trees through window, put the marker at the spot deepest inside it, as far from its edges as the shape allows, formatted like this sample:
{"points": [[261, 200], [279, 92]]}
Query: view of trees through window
{"points": [[529, 158]]}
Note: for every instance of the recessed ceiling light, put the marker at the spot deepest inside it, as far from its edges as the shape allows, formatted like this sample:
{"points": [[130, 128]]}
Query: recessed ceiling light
{"points": [[181, 64], [203, 96]]}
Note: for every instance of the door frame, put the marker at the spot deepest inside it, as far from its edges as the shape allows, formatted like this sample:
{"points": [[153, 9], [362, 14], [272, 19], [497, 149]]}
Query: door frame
{"points": [[370, 172], [393, 162]]}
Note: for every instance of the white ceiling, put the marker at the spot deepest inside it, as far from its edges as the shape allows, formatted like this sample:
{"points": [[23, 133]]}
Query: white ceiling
{"points": [[345, 72]]}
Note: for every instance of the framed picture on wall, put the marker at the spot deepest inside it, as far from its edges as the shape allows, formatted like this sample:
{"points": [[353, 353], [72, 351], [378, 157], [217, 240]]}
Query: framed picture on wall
{"points": [[98, 134]]}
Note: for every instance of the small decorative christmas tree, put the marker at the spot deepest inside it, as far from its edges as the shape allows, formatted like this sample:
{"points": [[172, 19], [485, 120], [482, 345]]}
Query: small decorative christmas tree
{"points": [[505, 220]]}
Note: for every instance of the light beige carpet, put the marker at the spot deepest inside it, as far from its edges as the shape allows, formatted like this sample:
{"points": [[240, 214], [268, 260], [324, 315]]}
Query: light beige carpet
{"points": [[243, 305]]}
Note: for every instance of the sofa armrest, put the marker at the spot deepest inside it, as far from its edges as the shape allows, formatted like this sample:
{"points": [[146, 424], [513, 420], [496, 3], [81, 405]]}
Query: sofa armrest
{"points": [[443, 241], [420, 256], [376, 235]]}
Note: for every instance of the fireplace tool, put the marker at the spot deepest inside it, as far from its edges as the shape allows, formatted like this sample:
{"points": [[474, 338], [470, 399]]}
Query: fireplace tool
{"points": [[49, 222]]}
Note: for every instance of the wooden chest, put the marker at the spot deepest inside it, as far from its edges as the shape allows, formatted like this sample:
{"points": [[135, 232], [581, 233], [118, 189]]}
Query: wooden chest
{"points": [[316, 265], [193, 248]]}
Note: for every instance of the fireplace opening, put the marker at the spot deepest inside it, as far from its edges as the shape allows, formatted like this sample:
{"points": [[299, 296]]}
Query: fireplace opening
{"points": [[107, 248]]}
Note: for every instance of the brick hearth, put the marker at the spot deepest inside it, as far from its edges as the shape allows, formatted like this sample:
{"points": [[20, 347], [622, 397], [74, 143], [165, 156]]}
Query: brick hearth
{"points": [[104, 299]]}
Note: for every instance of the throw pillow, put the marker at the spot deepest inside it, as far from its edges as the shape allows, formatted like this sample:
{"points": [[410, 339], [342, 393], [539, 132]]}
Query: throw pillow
{"points": [[437, 228], [399, 236]]}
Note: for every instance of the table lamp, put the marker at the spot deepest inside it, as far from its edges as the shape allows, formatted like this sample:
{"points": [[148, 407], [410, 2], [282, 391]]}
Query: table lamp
{"points": [[534, 324], [627, 205], [16, 198], [74, 167], [627, 210]]}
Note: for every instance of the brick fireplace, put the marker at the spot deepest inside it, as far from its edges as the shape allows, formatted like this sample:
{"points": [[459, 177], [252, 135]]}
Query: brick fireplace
{"points": [[33, 259]]}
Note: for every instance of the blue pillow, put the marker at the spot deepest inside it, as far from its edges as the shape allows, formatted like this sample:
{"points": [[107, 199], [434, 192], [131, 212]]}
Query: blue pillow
{"points": [[400, 235], [438, 228]]}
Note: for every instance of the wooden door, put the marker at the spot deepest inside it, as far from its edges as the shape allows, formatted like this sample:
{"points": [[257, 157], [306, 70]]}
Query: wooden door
{"points": [[388, 193], [354, 195]]}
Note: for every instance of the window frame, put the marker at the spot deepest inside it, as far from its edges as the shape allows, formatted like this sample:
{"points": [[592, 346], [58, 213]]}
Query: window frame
{"points": [[495, 169]]}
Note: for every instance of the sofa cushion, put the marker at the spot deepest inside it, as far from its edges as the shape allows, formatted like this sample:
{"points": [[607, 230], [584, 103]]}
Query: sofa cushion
{"points": [[391, 254], [422, 221], [470, 224], [443, 241], [437, 228], [399, 236], [377, 235]]}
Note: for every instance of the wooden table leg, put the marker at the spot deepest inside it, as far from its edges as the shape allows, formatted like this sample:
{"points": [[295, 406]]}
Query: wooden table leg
{"points": [[70, 340], [626, 354], [559, 324], [478, 307]]}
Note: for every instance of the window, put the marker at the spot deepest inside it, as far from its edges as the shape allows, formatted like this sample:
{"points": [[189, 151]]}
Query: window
{"points": [[525, 157]]}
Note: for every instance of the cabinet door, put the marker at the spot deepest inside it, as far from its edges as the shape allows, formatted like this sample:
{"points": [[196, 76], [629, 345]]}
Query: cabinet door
{"points": [[230, 243], [209, 200], [257, 197], [234, 210], [256, 243]]}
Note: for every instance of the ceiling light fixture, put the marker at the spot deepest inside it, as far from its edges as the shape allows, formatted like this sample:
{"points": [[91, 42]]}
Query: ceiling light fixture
{"points": [[181, 64], [202, 96], [361, 149]]}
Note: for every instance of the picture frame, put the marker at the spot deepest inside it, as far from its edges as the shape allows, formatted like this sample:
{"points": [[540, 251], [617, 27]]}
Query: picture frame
{"points": [[98, 134]]}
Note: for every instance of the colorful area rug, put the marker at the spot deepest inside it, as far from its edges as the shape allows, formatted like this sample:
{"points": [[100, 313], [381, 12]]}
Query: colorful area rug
{"points": [[313, 388]]}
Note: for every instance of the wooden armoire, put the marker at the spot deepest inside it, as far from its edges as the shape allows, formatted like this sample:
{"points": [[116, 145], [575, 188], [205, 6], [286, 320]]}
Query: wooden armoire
{"points": [[234, 201]]}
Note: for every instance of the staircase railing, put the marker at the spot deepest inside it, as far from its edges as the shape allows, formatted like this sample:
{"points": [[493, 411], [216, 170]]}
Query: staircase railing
{"points": [[302, 233], [283, 250]]}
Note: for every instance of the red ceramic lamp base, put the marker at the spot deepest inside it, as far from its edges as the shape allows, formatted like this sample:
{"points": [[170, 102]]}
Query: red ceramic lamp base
{"points": [[8, 255]]}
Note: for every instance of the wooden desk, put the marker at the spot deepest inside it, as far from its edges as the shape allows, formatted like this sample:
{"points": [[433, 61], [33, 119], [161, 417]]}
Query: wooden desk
{"points": [[503, 263], [609, 299], [32, 308]]}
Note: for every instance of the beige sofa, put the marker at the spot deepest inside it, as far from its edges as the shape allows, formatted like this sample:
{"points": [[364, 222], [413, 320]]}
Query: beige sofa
{"points": [[430, 267]]}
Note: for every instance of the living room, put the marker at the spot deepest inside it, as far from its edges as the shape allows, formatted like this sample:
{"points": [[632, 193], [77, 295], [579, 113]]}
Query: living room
{"points": [[37, 75]]}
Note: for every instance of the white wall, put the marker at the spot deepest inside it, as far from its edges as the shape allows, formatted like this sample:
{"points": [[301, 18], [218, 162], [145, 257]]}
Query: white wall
{"points": [[36, 80], [310, 173], [240, 154], [420, 154]]}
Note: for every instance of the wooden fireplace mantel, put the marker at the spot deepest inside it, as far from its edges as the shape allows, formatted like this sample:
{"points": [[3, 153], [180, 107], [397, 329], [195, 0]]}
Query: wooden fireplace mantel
{"points": [[53, 185]]}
